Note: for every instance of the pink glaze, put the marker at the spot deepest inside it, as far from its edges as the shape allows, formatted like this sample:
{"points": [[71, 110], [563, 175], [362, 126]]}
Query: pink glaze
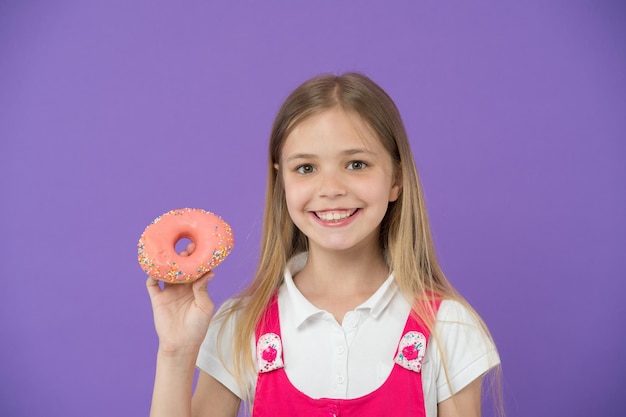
{"points": [[157, 255]]}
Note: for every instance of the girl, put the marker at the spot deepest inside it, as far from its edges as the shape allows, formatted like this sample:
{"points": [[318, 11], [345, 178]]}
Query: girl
{"points": [[349, 312]]}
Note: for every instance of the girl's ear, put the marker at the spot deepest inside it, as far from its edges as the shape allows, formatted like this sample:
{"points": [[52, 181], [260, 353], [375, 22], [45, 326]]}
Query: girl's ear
{"points": [[276, 166], [396, 187]]}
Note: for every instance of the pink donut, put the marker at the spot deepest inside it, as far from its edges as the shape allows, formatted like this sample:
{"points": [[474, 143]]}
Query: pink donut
{"points": [[157, 255]]}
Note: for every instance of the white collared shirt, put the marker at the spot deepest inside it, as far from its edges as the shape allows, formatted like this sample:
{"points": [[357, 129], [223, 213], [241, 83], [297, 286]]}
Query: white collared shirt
{"points": [[325, 359]]}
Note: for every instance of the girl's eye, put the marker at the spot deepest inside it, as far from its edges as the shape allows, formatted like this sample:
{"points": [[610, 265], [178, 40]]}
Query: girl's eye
{"points": [[357, 165], [305, 169]]}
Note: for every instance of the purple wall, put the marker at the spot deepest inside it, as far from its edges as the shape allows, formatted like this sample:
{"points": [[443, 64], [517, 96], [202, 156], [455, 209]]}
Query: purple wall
{"points": [[114, 112]]}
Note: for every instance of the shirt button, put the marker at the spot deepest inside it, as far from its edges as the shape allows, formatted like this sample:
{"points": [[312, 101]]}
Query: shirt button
{"points": [[341, 350], [340, 379]]}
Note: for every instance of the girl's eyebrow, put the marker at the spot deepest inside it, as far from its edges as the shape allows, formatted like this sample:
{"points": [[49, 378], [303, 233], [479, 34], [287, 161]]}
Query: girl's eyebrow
{"points": [[347, 152], [300, 156]]}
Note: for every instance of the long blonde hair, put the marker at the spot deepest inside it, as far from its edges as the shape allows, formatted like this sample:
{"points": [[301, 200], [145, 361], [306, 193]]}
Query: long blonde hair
{"points": [[405, 236]]}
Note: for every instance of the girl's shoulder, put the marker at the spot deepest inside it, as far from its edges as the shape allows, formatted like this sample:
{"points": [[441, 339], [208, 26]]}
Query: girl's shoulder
{"points": [[461, 351], [455, 310], [461, 331]]}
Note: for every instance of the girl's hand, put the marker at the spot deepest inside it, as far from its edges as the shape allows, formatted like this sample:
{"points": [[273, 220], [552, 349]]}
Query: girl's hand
{"points": [[182, 312]]}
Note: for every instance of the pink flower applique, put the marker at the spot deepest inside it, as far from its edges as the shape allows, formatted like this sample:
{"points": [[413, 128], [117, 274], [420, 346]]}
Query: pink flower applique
{"points": [[411, 351], [269, 352]]}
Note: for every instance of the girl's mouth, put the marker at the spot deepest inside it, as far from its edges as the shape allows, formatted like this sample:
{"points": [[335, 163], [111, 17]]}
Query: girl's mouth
{"points": [[334, 215]]}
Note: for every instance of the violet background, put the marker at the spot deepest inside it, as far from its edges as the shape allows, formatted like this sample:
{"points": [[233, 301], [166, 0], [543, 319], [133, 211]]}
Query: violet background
{"points": [[112, 113]]}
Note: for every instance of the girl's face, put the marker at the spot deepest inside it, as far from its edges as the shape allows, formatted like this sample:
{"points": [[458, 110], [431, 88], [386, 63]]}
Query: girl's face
{"points": [[338, 179]]}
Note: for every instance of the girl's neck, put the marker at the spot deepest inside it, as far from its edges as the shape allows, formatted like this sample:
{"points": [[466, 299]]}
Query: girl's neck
{"points": [[340, 281]]}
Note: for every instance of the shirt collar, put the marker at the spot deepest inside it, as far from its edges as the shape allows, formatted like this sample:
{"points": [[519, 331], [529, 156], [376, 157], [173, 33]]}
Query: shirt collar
{"points": [[301, 309], [381, 298]]}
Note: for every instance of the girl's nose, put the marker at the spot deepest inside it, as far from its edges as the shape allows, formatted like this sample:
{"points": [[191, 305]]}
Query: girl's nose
{"points": [[331, 185]]}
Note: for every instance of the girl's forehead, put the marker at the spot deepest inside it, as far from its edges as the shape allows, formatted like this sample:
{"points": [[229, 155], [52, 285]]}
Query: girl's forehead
{"points": [[334, 128]]}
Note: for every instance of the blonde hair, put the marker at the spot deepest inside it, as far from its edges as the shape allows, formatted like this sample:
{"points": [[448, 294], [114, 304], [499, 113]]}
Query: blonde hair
{"points": [[405, 237]]}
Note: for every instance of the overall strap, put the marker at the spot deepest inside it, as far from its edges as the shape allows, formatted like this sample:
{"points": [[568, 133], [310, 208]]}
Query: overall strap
{"points": [[412, 346], [269, 347], [269, 321]]}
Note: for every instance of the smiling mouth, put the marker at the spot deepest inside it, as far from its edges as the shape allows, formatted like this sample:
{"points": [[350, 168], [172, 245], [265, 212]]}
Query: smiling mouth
{"points": [[334, 215]]}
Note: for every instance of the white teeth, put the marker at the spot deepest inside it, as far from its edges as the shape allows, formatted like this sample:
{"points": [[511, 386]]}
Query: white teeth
{"points": [[334, 215]]}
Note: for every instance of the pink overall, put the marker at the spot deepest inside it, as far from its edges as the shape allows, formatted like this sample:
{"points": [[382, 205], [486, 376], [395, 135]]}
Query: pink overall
{"points": [[400, 395]]}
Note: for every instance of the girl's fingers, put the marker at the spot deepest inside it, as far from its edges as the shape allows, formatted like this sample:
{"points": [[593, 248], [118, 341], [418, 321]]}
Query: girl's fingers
{"points": [[200, 292], [153, 286], [200, 285], [188, 250], [199, 288]]}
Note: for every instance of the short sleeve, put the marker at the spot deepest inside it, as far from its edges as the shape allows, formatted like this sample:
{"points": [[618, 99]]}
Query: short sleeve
{"points": [[469, 352], [209, 359]]}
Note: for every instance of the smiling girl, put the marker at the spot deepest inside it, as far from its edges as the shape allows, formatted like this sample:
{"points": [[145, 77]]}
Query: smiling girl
{"points": [[349, 313]]}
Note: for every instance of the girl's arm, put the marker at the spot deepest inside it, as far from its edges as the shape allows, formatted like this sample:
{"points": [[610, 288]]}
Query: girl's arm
{"points": [[173, 386], [465, 403], [212, 399], [469, 353], [173, 382], [182, 313]]}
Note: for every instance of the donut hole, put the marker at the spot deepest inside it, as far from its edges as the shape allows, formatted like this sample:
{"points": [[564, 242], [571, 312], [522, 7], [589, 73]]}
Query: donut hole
{"points": [[181, 244]]}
